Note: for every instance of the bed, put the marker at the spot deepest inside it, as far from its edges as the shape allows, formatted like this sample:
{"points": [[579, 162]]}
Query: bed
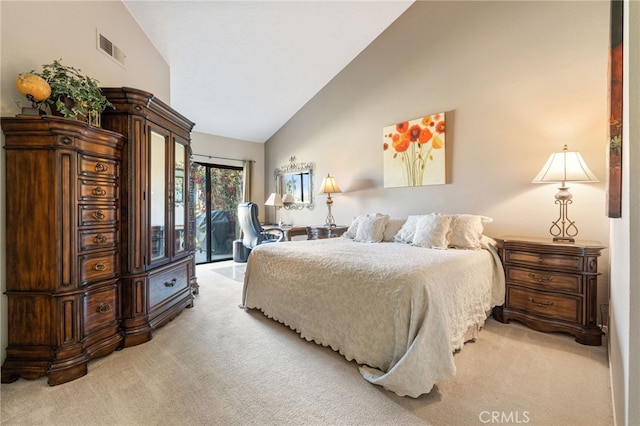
{"points": [[399, 310]]}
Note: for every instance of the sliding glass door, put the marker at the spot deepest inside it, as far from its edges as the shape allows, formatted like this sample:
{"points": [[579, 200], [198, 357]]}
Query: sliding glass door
{"points": [[218, 193]]}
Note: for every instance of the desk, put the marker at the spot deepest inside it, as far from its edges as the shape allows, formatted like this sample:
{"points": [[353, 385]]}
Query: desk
{"points": [[294, 231], [314, 232], [319, 232]]}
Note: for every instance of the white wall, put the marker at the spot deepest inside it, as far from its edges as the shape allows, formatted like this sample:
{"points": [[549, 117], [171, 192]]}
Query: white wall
{"points": [[36, 33], [517, 80], [624, 349]]}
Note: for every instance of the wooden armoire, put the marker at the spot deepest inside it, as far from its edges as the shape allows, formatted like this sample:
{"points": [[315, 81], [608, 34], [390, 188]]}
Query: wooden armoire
{"points": [[157, 265], [100, 233], [63, 251]]}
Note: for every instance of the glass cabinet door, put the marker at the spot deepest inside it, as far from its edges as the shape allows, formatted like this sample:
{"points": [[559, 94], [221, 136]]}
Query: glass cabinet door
{"points": [[158, 196], [180, 211]]}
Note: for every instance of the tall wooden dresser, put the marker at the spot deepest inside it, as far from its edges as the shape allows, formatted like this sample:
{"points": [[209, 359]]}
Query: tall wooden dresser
{"points": [[157, 257], [63, 212], [551, 286]]}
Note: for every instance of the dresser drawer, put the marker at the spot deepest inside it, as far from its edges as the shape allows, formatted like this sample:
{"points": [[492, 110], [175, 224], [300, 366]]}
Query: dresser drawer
{"points": [[166, 283], [98, 167], [99, 266], [549, 305], [546, 280], [100, 191], [100, 308], [97, 215], [93, 239], [571, 263]]}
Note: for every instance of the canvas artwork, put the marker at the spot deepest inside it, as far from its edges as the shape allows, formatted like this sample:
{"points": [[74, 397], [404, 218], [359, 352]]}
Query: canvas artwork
{"points": [[614, 198], [414, 152]]}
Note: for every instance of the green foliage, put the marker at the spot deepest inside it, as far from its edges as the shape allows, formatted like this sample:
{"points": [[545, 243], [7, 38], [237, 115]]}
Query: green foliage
{"points": [[73, 94]]}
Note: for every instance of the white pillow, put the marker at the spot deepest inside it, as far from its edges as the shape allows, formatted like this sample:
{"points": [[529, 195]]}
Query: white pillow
{"points": [[432, 231], [371, 228], [353, 228], [405, 234], [466, 232], [392, 227]]}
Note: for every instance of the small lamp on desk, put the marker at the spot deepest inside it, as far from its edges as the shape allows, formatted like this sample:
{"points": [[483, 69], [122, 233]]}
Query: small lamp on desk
{"points": [[275, 200], [562, 167], [329, 186]]}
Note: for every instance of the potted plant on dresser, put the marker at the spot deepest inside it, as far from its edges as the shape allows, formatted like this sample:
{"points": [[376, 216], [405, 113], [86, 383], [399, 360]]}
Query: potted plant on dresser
{"points": [[73, 94]]}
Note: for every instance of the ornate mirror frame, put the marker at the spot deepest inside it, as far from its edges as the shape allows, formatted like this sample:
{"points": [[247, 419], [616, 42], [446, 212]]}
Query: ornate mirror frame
{"points": [[296, 179]]}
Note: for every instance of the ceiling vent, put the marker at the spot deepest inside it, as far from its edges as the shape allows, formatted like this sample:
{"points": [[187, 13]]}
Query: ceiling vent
{"points": [[108, 48]]}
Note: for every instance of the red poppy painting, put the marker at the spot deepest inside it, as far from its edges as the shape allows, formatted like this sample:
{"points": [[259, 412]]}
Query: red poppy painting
{"points": [[414, 152]]}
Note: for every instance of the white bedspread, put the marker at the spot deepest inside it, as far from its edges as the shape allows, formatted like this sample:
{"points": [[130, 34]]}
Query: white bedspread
{"points": [[398, 311]]}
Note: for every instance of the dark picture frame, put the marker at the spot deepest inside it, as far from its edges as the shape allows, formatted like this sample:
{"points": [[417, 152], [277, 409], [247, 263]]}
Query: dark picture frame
{"points": [[614, 192]]}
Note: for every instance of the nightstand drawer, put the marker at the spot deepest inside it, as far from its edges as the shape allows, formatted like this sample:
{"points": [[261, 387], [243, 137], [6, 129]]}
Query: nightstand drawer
{"points": [[547, 280], [545, 304], [573, 263]]}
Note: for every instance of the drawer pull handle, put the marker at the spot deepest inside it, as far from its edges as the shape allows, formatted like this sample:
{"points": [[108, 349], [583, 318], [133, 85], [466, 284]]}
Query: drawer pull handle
{"points": [[103, 308], [99, 214], [541, 278], [100, 239], [99, 191], [101, 167], [541, 260], [100, 266], [542, 305], [170, 283]]}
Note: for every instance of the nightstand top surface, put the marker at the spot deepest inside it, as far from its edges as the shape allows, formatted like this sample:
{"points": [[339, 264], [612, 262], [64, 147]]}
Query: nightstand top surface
{"points": [[549, 241]]}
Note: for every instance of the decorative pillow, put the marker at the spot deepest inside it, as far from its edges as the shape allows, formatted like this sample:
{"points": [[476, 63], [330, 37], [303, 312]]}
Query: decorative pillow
{"points": [[405, 234], [371, 228], [466, 232], [392, 227], [353, 228], [432, 231]]}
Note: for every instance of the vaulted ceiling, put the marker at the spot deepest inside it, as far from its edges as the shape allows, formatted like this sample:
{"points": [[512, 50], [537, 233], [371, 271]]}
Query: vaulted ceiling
{"points": [[242, 69]]}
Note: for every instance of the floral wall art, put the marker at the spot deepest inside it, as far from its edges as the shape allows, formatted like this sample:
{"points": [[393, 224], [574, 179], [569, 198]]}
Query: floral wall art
{"points": [[414, 152]]}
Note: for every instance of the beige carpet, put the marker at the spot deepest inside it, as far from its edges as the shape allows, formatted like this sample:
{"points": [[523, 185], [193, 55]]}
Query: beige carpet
{"points": [[217, 364]]}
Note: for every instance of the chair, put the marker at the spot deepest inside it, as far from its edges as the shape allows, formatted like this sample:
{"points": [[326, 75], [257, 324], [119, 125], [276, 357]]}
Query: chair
{"points": [[253, 233]]}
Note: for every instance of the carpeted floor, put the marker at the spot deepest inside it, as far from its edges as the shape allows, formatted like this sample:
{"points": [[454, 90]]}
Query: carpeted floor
{"points": [[217, 364]]}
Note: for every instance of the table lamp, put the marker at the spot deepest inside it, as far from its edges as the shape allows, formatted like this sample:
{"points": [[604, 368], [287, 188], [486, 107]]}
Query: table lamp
{"points": [[562, 167], [329, 186]]}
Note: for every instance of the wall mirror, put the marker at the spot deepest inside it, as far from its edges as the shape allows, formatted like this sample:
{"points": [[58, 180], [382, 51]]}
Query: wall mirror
{"points": [[294, 182]]}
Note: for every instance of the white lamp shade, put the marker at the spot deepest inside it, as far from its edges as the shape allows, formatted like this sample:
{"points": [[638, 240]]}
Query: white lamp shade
{"points": [[329, 186], [274, 200], [565, 166], [288, 199]]}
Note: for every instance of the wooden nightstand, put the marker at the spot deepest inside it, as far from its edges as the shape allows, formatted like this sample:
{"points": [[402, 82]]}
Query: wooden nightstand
{"points": [[551, 286]]}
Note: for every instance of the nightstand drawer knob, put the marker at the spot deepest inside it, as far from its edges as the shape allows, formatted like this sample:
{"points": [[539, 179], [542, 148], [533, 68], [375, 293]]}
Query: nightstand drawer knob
{"points": [[541, 278], [542, 305]]}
